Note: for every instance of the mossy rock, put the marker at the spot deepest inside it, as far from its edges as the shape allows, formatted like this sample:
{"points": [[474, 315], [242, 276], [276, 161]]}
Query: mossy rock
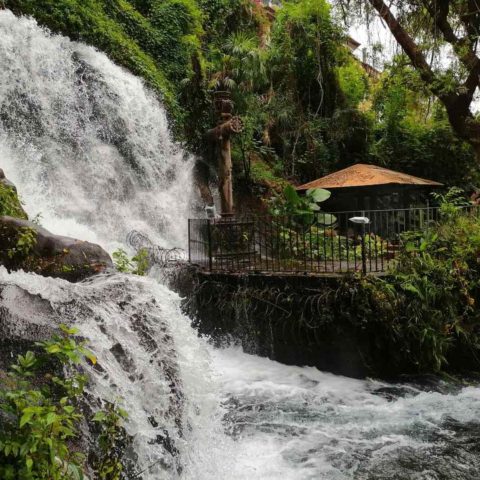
{"points": [[27, 246]]}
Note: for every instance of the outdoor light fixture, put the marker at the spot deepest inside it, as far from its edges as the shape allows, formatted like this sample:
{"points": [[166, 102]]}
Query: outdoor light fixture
{"points": [[360, 220], [211, 212]]}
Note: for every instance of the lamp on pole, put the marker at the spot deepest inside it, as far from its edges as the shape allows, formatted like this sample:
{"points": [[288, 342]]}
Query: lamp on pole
{"points": [[363, 220]]}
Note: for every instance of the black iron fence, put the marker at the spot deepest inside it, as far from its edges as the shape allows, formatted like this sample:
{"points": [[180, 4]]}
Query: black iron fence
{"points": [[315, 243]]}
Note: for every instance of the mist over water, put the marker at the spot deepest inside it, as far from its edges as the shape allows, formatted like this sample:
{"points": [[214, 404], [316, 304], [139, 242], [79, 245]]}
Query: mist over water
{"points": [[88, 147]]}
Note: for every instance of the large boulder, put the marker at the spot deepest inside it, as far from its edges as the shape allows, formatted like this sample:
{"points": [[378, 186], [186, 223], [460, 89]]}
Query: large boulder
{"points": [[25, 245]]}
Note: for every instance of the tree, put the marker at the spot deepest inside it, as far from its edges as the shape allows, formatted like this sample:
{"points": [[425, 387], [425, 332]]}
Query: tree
{"points": [[430, 31]]}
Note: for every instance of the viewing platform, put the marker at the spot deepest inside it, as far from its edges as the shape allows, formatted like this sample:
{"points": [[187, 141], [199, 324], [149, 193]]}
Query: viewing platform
{"points": [[294, 245]]}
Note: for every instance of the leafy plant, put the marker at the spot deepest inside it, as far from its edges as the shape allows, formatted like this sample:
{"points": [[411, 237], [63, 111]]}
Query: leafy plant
{"points": [[10, 204], [141, 262], [109, 463], [40, 422], [40, 415], [304, 210], [26, 241], [138, 264], [122, 261], [452, 202]]}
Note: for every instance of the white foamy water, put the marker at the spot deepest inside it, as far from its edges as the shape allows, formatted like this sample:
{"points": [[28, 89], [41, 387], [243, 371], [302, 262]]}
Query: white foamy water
{"points": [[300, 423], [85, 142], [89, 148]]}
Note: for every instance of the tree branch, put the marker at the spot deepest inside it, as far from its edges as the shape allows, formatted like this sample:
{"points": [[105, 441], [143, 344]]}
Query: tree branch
{"points": [[224, 130], [457, 103], [462, 46], [407, 43]]}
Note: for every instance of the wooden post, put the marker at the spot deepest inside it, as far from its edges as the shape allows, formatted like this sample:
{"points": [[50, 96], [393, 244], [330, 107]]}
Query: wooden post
{"points": [[226, 126]]}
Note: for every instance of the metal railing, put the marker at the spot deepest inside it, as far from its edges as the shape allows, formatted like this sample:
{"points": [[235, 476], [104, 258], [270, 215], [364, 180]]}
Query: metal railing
{"points": [[305, 244]]}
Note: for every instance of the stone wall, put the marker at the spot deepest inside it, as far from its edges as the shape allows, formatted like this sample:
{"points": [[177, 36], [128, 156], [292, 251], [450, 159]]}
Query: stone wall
{"points": [[300, 320]]}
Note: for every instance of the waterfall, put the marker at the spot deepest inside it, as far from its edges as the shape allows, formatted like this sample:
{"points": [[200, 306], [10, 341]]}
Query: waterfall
{"points": [[89, 149], [86, 143]]}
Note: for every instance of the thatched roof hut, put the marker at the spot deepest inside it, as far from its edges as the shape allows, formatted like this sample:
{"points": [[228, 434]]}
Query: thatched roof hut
{"points": [[369, 187]]}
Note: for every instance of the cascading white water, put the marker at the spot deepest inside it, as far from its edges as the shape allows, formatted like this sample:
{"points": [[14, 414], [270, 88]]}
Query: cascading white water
{"points": [[89, 148], [85, 142]]}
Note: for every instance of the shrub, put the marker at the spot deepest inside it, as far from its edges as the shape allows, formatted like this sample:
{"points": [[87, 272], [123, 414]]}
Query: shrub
{"points": [[10, 204], [138, 265], [40, 414]]}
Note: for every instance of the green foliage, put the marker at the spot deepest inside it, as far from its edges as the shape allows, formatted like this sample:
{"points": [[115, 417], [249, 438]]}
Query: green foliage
{"points": [[41, 416], [264, 174], [138, 265], [434, 291], [26, 241], [353, 82], [66, 349], [305, 48], [451, 202], [411, 132], [10, 204], [302, 209], [121, 260], [109, 463], [141, 262]]}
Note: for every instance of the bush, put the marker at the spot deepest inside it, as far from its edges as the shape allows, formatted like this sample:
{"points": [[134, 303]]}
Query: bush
{"points": [[10, 204], [139, 264], [40, 415], [436, 282]]}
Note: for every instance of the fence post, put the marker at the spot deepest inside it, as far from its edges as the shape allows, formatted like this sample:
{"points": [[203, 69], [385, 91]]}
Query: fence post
{"points": [[364, 253], [209, 238], [189, 243]]}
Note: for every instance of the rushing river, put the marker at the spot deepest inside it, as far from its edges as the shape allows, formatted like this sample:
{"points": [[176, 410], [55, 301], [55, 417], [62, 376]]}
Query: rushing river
{"points": [[89, 149]]}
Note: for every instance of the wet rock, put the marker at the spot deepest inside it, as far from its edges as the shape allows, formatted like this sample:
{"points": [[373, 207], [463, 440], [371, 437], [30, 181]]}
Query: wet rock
{"points": [[25, 245], [24, 320], [123, 358]]}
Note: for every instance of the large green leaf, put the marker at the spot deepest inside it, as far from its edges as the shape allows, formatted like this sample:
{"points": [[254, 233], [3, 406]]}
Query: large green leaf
{"points": [[318, 195], [326, 219], [291, 195]]}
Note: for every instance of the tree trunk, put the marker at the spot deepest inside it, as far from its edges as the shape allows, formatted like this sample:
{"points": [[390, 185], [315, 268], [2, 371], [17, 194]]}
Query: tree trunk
{"points": [[201, 174], [221, 135]]}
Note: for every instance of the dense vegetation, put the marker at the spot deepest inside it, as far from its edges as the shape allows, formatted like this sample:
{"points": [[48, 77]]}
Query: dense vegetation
{"points": [[41, 411], [308, 104], [10, 203], [440, 39], [428, 308]]}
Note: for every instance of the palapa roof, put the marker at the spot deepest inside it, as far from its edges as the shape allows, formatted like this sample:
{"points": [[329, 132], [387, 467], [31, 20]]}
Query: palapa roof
{"points": [[361, 175]]}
